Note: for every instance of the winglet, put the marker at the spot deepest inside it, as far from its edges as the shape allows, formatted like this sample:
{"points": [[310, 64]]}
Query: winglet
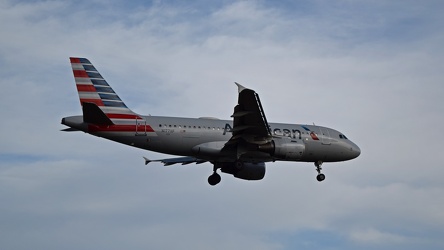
{"points": [[146, 160], [240, 87]]}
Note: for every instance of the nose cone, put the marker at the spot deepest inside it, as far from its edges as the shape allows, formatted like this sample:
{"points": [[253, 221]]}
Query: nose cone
{"points": [[355, 151]]}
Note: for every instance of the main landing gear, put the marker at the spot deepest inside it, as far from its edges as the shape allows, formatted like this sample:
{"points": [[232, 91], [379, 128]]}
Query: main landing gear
{"points": [[215, 178], [320, 176]]}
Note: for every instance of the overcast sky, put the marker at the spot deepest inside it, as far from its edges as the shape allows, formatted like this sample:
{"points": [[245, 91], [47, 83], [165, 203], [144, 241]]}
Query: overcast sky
{"points": [[371, 69]]}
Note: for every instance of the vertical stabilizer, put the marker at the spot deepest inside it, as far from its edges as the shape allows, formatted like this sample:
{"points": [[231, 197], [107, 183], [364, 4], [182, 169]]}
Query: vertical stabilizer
{"points": [[93, 88]]}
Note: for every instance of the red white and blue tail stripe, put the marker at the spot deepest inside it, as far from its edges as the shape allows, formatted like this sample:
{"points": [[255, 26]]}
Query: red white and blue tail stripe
{"points": [[103, 110], [93, 88]]}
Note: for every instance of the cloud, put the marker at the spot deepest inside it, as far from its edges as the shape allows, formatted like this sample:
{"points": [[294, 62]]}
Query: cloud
{"points": [[371, 70], [375, 237]]}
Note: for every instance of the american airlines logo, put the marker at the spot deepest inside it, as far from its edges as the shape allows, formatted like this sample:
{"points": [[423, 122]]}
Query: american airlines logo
{"points": [[312, 134], [290, 133]]}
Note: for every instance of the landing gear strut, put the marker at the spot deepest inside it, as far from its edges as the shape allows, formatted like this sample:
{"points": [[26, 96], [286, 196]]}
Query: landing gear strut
{"points": [[215, 178], [320, 176]]}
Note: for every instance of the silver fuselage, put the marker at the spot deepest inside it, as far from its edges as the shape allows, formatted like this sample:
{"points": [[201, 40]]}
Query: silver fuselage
{"points": [[182, 136]]}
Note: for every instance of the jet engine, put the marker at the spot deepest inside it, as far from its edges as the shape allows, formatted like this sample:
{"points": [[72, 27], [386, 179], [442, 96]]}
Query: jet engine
{"points": [[284, 148], [245, 170]]}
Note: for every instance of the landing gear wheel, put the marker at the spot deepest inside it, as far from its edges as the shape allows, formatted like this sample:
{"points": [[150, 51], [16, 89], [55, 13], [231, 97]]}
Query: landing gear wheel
{"points": [[320, 177], [214, 179]]}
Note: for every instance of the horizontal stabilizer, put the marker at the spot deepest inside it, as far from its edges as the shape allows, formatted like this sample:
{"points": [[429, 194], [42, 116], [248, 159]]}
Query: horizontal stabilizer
{"points": [[93, 114], [70, 130], [146, 160]]}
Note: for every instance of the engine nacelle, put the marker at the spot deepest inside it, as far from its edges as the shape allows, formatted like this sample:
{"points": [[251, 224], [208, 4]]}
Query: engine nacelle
{"points": [[284, 148], [245, 171]]}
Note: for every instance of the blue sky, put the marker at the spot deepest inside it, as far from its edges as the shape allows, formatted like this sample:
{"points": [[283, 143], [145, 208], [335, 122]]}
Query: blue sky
{"points": [[371, 69]]}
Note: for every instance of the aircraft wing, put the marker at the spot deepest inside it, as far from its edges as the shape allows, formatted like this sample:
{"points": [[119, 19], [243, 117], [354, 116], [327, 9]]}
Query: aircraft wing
{"points": [[249, 117], [172, 161], [250, 126]]}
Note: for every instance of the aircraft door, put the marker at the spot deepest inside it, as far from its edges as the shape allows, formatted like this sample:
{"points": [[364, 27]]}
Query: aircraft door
{"points": [[325, 136], [140, 127]]}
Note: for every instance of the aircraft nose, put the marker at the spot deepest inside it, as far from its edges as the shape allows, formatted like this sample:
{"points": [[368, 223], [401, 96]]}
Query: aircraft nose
{"points": [[355, 151]]}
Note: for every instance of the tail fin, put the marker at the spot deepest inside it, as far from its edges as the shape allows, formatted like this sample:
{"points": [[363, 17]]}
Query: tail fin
{"points": [[93, 89]]}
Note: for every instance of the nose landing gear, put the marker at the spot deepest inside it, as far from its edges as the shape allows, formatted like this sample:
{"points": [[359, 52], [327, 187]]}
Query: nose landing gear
{"points": [[320, 177]]}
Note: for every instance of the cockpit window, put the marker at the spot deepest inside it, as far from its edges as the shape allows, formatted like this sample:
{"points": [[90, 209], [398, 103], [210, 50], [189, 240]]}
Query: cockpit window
{"points": [[342, 136]]}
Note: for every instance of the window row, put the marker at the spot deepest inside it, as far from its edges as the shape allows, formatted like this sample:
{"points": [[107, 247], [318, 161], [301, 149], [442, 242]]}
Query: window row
{"points": [[188, 126]]}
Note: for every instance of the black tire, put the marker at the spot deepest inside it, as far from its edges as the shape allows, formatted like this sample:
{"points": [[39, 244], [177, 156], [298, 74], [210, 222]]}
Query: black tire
{"points": [[214, 179], [320, 177]]}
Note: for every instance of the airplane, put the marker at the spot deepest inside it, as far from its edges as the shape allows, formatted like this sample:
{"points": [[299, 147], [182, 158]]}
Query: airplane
{"points": [[240, 146]]}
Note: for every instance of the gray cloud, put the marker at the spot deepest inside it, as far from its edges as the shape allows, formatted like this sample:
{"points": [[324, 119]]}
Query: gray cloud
{"points": [[371, 70]]}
